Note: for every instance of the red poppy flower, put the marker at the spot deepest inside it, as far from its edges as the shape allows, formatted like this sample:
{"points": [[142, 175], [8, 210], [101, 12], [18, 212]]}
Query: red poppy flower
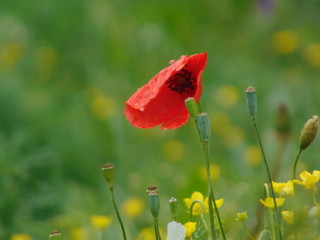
{"points": [[161, 100]]}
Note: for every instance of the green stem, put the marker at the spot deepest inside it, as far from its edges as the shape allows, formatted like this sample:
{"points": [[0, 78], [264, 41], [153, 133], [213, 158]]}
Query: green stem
{"points": [[211, 193], [117, 212], [314, 199], [156, 228], [269, 176], [295, 164], [247, 230]]}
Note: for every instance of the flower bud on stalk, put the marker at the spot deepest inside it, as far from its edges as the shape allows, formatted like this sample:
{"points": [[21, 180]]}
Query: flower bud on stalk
{"points": [[251, 98], [203, 124], [108, 173], [154, 200], [173, 207], [192, 106], [309, 132], [55, 235]]}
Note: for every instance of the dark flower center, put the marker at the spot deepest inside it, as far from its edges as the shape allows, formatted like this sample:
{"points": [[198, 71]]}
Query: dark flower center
{"points": [[182, 82]]}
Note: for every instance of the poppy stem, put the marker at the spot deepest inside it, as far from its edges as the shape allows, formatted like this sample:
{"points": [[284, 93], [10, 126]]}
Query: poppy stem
{"points": [[156, 228], [205, 145], [118, 214], [269, 176]]}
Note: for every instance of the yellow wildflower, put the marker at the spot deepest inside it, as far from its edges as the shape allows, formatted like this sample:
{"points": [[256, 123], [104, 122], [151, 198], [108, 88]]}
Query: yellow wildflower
{"points": [[252, 156], [173, 150], [270, 203], [21, 236], [214, 170], [288, 216], [242, 216], [133, 207], [100, 222], [312, 54], [77, 233], [197, 208], [102, 106], [309, 180], [10, 54], [146, 234], [190, 228], [284, 189], [285, 42], [228, 96]]}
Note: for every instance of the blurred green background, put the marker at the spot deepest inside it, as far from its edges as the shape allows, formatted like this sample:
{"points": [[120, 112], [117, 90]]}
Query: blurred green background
{"points": [[67, 67]]}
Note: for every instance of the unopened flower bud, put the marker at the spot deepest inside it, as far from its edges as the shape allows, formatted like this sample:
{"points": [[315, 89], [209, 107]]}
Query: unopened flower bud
{"points": [[154, 200], [251, 98], [203, 124], [309, 132], [192, 106], [55, 235], [108, 173], [173, 206]]}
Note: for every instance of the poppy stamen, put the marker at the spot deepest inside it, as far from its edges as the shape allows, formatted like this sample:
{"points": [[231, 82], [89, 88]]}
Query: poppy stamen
{"points": [[182, 82]]}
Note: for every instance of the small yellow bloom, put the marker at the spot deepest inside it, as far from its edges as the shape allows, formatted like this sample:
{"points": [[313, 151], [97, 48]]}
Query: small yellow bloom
{"points": [[242, 216], [228, 96], [146, 234], [197, 208], [133, 207], [77, 233], [252, 156], [190, 228], [173, 150], [233, 136], [285, 42], [312, 54], [220, 123], [102, 106], [214, 170], [10, 54], [288, 216], [309, 180], [21, 236], [284, 189], [100, 222], [270, 203]]}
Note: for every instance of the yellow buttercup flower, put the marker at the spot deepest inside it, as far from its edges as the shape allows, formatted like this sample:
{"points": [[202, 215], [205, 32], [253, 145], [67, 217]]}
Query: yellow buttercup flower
{"points": [[100, 222], [10, 54], [133, 207], [285, 42], [252, 156], [214, 170], [312, 54], [102, 106], [228, 96], [146, 234], [190, 228], [242, 216], [309, 180], [284, 189], [197, 208], [78, 233], [288, 216], [173, 150], [270, 203], [21, 236]]}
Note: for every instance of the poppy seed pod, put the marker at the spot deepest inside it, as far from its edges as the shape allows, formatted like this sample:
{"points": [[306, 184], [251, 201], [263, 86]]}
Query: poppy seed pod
{"points": [[154, 200], [251, 98], [309, 132], [108, 173], [173, 206], [55, 235], [203, 124]]}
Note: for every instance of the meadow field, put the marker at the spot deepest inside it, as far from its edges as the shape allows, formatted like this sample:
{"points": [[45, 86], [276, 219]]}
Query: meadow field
{"points": [[66, 71]]}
